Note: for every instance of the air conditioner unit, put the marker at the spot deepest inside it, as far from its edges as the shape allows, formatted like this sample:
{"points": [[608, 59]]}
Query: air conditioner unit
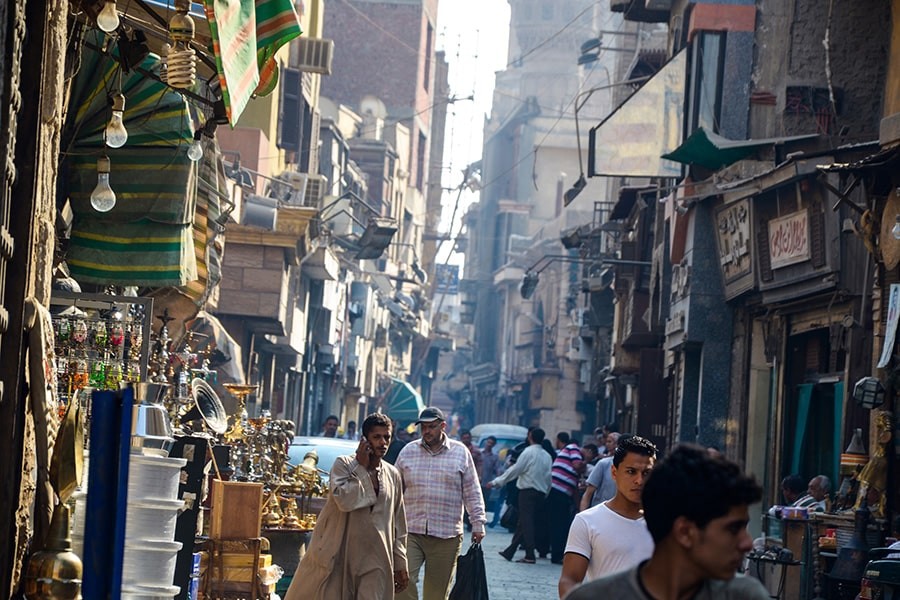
{"points": [[314, 55], [315, 190], [297, 188]]}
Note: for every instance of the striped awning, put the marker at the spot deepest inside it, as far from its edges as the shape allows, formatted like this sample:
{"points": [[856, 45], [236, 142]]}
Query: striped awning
{"points": [[147, 239]]}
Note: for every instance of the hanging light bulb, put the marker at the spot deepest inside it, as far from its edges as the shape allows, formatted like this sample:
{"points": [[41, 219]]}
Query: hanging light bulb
{"points": [[195, 150], [108, 19], [895, 230], [181, 62], [116, 134], [103, 198]]}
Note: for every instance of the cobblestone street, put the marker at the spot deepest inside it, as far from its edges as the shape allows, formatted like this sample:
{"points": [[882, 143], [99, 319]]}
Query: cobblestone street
{"points": [[514, 581]]}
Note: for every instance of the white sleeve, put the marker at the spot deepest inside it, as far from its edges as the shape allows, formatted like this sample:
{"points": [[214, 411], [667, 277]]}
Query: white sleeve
{"points": [[579, 540]]}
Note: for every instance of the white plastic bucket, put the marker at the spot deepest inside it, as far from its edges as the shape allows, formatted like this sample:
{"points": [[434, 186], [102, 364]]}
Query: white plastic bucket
{"points": [[149, 563], [154, 477], [151, 520], [146, 592]]}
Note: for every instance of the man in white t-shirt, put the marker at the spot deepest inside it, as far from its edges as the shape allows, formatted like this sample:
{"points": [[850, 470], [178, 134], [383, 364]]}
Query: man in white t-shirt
{"points": [[612, 536]]}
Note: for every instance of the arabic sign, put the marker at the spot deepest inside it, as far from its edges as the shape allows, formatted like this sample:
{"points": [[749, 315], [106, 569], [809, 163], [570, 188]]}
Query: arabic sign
{"points": [[789, 239], [733, 236]]}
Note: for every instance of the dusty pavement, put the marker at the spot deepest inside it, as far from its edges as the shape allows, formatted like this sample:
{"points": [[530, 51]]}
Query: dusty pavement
{"points": [[513, 581]]}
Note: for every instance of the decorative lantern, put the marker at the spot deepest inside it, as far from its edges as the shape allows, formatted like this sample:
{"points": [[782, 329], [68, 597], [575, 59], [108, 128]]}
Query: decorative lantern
{"points": [[869, 392]]}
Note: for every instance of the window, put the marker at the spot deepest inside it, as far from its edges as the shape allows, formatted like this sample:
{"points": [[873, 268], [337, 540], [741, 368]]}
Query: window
{"points": [[429, 35], [290, 126], [706, 72], [420, 162]]}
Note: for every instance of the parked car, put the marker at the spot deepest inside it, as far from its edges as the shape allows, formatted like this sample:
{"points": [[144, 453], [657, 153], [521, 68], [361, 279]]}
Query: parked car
{"points": [[508, 436], [327, 448]]}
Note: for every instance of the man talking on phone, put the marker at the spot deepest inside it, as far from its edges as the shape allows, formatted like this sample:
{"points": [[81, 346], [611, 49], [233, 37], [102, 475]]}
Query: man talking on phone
{"points": [[358, 548], [439, 479]]}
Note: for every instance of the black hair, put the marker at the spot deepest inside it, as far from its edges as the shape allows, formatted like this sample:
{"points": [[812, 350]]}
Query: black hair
{"points": [[463, 432], [592, 447], [794, 483], [490, 437], [329, 417], [634, 444], [375, 420], [691, 483], [563, 437], [537, 435]]}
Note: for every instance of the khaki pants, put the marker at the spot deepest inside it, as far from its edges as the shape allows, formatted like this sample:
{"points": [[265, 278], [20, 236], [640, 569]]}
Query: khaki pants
{"points": [[439, 556]]}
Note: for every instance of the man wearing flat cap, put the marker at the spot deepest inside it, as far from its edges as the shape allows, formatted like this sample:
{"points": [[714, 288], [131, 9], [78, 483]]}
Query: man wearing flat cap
{"points": [[439, 481]]}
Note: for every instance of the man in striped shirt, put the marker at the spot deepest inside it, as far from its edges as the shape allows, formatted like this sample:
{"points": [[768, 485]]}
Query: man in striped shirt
{"points": [[566, 470], [439, 480]]}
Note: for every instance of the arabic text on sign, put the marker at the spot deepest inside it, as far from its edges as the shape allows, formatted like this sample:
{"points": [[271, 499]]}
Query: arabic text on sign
{"points": [[789, 239]]}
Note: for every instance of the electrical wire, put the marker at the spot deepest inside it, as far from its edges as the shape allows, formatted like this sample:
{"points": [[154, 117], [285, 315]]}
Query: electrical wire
{"points": [[552, 37]]}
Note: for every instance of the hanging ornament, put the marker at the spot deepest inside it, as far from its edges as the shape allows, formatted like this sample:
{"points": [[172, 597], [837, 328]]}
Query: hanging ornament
{"points": [[103, 198], [181, 61], [116, 134], [195, 150], [108, 19]]}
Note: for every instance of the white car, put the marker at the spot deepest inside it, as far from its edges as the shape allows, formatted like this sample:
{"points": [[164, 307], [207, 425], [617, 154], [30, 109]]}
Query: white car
{"points": [[327, 448]]}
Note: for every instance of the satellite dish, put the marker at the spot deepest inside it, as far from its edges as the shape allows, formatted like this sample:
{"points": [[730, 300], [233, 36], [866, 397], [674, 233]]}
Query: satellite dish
{"points": [[207, 407], [372, 106]]}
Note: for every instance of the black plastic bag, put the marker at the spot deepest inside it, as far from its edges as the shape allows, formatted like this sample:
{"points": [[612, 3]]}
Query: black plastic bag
{"points": [[471, 577], [510, 517]]}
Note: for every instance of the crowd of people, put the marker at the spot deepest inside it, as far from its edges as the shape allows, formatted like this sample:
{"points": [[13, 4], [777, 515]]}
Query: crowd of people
{"points": [[621, 521]]}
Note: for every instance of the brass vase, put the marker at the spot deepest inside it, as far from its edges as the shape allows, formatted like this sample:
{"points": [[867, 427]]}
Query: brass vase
{"points": [[54, 573]]}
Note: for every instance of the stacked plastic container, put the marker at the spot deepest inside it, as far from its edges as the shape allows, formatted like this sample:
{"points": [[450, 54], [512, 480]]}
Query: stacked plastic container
{"points": [[150, 546]]}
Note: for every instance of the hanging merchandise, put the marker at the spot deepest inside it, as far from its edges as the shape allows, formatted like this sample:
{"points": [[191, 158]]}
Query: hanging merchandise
{"points": [[181, 59], [116, 134], [103, 198]]}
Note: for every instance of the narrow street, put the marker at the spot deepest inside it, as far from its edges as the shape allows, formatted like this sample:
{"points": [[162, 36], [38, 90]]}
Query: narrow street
{"points": [[514, 581]]}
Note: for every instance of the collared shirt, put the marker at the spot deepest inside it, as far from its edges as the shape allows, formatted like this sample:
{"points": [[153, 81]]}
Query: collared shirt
{"points": [[532, 469], [436, 487], [565, 473]]}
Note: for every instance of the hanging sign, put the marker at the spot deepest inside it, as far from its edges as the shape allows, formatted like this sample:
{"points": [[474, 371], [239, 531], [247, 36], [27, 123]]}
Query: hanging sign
{"points": [[890, 333]]}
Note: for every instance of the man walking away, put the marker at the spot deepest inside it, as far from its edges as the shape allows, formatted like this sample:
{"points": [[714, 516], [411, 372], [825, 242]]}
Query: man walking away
{"points": [[696, 507], [612, 536], [439, 479], [490, 468], [358, 548], [566, 470], [532, 469]]}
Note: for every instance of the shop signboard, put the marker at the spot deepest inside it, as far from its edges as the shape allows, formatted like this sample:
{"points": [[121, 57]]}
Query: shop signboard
{"points": [[789, 239]]}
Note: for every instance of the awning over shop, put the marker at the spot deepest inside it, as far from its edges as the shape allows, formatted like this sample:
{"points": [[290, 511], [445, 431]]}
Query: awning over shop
{"points": [[402, 402], [631, 141], [713, 152], [147, 238]]}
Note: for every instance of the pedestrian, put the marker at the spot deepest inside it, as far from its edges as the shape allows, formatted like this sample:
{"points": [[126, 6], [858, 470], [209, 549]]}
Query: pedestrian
{"points": [[792, 489], [565, 472], [351, 433], [397, 443], [329, 427], [591, 454], [696, 508], [600, 484], [532, 471], [440, 480], [490, 468], [358, 548], [465, 436], [612, 536]]}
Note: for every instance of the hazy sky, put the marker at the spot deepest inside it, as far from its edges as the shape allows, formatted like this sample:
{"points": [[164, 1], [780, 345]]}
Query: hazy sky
{"points": [[474, 35]]}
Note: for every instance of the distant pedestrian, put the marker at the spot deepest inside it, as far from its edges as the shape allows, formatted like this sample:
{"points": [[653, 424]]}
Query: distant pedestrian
{"points": [[358, 548], [696, 508], [532, 473], [565, 472], [490, 468], [351, 433], [600, 484], [816, 498], [329, 427], [465, 436], [397, 443], [439, 479], [612, 536]]}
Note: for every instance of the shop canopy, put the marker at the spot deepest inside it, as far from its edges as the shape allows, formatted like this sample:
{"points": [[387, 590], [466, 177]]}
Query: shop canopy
{"points": [[147, 238], [402, 402], [711, 151]]}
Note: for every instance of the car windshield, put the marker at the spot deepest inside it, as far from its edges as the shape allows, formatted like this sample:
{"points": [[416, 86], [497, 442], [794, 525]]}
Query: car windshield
{"points": [[327, 453]]}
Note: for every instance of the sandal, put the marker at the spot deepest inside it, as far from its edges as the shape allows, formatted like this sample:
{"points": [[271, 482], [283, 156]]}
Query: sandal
{"points": [[527, 561]]}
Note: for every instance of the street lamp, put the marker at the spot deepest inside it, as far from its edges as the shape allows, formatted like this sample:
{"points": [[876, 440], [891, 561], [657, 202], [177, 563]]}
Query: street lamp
{"points": [[378, 231], [869, 392], [532, 274]]}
